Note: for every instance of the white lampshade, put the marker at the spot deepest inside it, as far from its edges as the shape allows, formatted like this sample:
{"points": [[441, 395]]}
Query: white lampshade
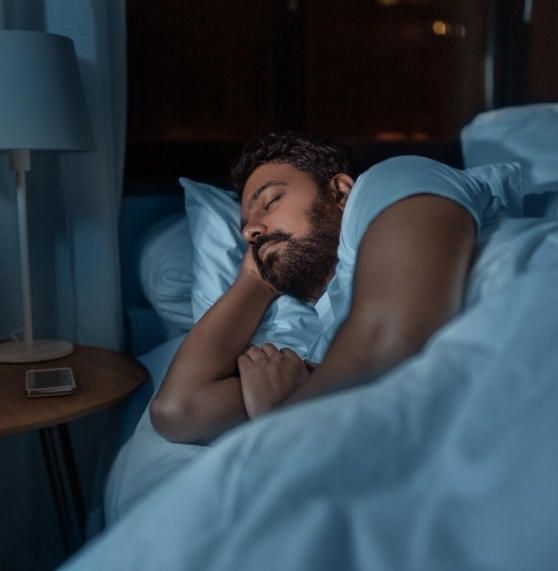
{"points": [[42, 101]]}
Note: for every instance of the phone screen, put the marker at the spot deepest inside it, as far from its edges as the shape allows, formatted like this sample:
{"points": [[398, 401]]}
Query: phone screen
{"points": [[49, 381]]}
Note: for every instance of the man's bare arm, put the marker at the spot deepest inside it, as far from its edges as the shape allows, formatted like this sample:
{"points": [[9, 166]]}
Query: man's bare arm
{"points": [[410, 276], [201, 396]]}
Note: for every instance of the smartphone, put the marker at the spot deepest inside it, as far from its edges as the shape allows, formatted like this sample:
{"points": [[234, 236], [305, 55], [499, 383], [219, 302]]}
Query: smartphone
{"points": [[49, 382]]}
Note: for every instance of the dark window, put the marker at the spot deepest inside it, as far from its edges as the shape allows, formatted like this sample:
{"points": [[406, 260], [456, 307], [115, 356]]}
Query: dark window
{"points": [[389, 75]]}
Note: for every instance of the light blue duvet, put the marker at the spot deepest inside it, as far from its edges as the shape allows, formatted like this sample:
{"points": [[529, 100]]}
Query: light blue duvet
{"points": [[449, 461]]}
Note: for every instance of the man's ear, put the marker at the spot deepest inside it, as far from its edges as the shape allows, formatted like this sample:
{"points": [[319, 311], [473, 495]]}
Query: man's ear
{"points": [[340, 187]]}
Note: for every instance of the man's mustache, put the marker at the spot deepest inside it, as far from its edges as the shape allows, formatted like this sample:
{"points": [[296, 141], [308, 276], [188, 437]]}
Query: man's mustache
{"points": [[275, 236]]}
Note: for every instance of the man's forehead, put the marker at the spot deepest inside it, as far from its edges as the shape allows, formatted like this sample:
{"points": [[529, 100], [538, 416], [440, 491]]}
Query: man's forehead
{"points": [[265, 173], [270, 174]]}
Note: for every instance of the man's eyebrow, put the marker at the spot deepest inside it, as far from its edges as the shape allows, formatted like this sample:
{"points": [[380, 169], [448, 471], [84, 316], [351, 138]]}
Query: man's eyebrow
{"points": [[253, 199], [256, 194]]}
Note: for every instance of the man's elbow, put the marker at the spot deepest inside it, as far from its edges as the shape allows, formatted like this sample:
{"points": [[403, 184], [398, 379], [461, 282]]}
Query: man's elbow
{"points": [[172, 421]]}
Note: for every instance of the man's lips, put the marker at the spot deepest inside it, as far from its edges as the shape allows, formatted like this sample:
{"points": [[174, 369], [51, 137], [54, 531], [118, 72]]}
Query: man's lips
{"points": [[265, 248]]}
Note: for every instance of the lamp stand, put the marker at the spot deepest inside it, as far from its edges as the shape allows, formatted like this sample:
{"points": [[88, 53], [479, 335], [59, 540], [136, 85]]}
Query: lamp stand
{"points": [[28, 350]]}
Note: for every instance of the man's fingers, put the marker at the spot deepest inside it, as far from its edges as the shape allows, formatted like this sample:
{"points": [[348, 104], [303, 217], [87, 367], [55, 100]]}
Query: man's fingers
{"points": [[243, 361], [254, 353], [289, 353], [269, 349]]}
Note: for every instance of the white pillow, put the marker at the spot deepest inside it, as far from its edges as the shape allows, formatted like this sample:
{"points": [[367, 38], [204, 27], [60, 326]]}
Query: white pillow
{"points": [[214, 219], [166, 270]]}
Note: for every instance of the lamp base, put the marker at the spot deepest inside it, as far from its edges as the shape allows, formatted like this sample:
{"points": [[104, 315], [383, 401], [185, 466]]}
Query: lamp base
{"points": [[40, 350]]}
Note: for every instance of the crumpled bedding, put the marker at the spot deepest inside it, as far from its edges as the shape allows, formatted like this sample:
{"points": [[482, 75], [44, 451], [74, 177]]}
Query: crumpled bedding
{"points": [[450, 461]]}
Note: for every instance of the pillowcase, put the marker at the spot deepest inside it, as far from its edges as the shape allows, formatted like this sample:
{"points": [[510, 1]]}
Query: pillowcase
{"points": [[165, 269], [214, 221]]}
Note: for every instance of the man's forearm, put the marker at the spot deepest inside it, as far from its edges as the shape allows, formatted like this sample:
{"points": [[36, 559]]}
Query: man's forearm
{"points": [[201, 395], [359, 352]]}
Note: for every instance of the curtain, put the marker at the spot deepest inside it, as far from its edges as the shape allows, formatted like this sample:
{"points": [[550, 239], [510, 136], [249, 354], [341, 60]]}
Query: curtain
{"points": [[73, 206]]}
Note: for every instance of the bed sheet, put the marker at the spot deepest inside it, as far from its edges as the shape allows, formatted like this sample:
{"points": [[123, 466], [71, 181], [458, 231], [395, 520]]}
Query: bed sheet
{"points": [[146, 459], [447, 462]]}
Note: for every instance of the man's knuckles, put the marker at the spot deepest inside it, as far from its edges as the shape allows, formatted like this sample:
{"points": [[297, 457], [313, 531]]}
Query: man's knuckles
{"points": [[254, 353], [289, 353], [269, 349]]}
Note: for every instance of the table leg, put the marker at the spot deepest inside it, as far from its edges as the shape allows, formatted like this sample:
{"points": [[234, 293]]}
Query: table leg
{"points": [[62, 473]]}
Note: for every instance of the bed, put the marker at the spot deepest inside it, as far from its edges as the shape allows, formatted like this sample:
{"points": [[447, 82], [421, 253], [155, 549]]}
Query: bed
{"points": [[447, 462]]}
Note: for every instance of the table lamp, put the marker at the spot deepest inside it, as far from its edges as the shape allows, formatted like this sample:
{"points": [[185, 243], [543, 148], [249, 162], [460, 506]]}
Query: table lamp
{"points": [[42, 107]]}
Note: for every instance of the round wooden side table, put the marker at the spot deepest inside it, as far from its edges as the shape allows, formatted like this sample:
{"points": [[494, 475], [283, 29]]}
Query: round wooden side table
{"points": [[102, 378]]}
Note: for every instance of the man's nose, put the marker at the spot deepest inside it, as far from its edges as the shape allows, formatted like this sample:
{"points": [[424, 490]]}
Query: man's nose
{"points": [[252, 230]]}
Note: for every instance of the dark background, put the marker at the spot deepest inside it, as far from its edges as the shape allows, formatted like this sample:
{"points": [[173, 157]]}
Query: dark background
{"points": [[389, 76]]}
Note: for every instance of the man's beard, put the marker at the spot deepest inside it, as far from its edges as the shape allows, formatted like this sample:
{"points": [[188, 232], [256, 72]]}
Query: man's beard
{"points": [[305, 264]]}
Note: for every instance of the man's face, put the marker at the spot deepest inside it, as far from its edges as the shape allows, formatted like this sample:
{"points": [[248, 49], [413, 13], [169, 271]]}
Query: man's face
{"points": [[292, 228]]}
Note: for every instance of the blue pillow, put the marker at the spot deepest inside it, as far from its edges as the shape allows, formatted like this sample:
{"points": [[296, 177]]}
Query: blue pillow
{"points": [[165, 269], [214, 220]]}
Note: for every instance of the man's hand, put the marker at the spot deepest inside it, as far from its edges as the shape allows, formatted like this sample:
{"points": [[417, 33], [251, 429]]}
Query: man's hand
{"points": [[269, 376], [249, 270], [248, 264]]}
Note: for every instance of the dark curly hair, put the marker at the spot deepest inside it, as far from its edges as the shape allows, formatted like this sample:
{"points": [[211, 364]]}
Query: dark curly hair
{"points": [[318, 156]]}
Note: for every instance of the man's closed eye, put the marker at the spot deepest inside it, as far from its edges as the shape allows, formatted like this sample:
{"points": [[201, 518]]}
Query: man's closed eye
{"points": [[271, 202]]}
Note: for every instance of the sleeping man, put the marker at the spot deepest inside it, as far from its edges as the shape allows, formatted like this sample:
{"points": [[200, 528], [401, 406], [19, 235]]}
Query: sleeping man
{"points": [[384, 259]]}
